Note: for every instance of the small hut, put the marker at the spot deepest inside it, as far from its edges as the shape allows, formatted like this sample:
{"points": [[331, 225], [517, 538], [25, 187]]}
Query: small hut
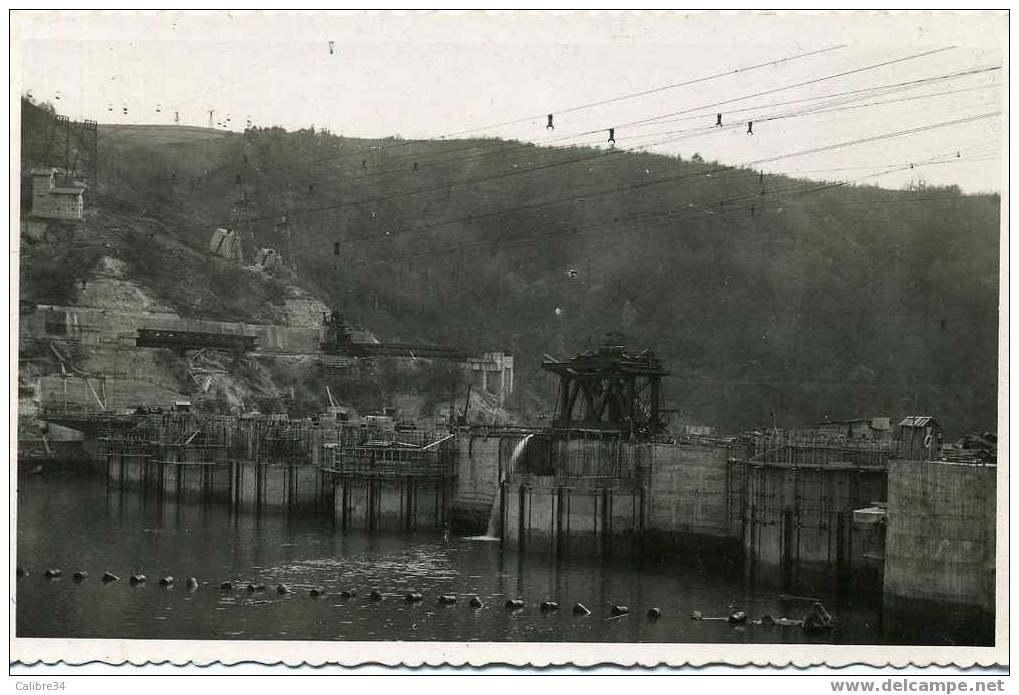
{"points": [[919, 438]]}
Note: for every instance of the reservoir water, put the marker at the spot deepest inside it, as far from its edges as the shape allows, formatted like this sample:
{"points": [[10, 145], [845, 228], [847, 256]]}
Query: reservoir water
{"points": [[77, 522]]}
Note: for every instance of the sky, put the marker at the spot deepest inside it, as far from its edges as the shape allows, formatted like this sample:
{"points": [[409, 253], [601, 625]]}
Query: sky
{"points": [[499, 75]]}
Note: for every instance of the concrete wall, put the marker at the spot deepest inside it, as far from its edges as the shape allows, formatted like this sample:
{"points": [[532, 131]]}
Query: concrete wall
{"points": [[55, 202], [144, 364], [940, 542], [689, 496], [478, 470], [486, 460], [120, 393], [687, 489]]}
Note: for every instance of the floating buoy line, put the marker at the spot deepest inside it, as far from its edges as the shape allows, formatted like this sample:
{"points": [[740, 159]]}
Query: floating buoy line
{"points": [[816, 620]]}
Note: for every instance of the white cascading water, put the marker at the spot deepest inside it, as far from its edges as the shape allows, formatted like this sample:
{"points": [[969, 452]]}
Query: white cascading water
{"points": [[493, 514]]}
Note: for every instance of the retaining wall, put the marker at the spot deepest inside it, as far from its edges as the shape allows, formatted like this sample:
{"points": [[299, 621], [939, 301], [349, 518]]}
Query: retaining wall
{"points": [[119, 328]]}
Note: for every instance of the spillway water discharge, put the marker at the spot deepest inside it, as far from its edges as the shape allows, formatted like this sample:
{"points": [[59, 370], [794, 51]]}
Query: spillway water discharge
{"points": [[492, 531]]}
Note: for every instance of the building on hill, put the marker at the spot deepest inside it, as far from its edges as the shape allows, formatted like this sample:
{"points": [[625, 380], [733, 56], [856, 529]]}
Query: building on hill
{"points": [[57, 195], [269, 261], [227, 244], [492, 373]]}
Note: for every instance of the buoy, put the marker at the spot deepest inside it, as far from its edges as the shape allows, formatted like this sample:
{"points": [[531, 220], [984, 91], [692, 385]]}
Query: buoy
{"points": [[53, 574], [226, 586], [251, 588], [414, 597], [375, 595], [738, 617], [696, 615], [137, 578], [818, 619], [166, 581], [654, 613], [282, 589], [80, 576], [580, 609], [110, 577], [619, 609], [348, 593], [192, 583], [476, 602], [447, 598], [316, 591], [515, 604], [549, 606], [22, 572]]}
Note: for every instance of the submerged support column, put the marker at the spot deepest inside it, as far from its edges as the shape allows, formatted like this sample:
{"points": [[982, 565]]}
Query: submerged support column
{"points": [[404, 486], [502, 524], [521, 519], [561, 526]]}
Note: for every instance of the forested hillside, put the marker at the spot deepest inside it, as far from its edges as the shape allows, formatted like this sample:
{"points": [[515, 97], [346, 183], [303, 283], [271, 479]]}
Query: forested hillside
{"points": [[761, 294]]}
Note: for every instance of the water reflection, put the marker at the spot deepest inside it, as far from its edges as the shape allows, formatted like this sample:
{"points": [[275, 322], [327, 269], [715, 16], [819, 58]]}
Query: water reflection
{"points": [[78, 523]]}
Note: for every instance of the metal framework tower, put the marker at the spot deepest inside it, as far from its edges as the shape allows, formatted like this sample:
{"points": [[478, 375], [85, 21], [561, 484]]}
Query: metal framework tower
{"points": [[612, 388], [90, 136]]}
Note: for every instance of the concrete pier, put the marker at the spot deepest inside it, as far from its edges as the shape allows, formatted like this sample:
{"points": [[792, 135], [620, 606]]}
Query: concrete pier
{"points": [[539, 515], [248, 487], [940, 544], [797, 522], [597, 495], [480, 464], [379, 504]]}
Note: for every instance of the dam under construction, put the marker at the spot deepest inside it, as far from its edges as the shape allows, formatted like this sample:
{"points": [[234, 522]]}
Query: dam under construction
{"points": [[884, 521]]}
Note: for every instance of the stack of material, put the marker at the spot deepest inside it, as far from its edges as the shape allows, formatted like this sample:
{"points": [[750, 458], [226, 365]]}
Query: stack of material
{"points": [[975, 446]]}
